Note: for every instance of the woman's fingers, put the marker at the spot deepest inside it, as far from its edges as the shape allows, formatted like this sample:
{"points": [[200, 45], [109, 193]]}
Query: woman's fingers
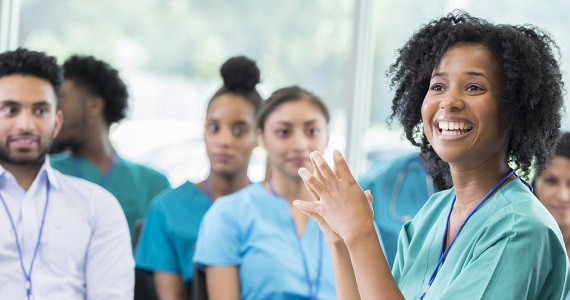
{"points": [[322, 166], [317, 171], [312, 182], [304, 206], [341, 168], [310, 189]]}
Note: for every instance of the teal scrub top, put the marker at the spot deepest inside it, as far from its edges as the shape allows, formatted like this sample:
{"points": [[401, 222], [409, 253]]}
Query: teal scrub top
{"points": [[252, 229], [511, 248], [170, 231], [400, 188], [133, 185]]}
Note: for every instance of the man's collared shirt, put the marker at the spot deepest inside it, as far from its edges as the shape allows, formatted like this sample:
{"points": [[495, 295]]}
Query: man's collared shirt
{"points": [[85, 249]]}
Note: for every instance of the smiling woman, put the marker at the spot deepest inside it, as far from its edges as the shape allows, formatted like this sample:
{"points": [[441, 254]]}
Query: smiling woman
{"points": [[479, 239]]}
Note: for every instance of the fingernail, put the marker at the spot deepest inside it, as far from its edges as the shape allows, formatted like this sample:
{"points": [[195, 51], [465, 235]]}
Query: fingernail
{"points": [[337, 155], [304, 173], [318, 157], [296, 203]]}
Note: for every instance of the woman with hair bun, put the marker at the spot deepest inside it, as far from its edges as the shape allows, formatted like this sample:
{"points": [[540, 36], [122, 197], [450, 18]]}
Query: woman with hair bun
{"points": [[254, 244], [166, 245]]}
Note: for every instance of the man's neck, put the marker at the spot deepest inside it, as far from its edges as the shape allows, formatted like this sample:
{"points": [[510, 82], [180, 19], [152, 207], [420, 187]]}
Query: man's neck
{"points": [[97, 149], [24, 174]]}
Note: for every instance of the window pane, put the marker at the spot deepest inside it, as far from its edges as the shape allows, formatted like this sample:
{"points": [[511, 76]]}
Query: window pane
{"points": [[169, 53]]}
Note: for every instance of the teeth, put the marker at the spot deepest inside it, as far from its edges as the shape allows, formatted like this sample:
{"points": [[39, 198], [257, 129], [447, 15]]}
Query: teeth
{"points": [[454, 126]]}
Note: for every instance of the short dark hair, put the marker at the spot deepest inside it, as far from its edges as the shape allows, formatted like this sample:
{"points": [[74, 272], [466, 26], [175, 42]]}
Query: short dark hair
{"points": [[32, 63], [533, 84], [240, 75], [98, 78], [288, 94]]}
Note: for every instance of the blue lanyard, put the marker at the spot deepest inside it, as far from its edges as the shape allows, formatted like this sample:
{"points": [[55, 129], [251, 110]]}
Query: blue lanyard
{"points": [[444, 253], [312, 293], [28, 274], [103, 182]]}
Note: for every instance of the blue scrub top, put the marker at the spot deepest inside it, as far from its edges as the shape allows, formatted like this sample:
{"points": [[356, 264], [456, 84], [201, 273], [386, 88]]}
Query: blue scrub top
{"points": [[382, 181], [170, 231], [252, 229]]}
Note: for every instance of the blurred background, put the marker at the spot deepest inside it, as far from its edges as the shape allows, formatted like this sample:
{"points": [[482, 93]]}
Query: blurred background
{"points": [[169, 54]]}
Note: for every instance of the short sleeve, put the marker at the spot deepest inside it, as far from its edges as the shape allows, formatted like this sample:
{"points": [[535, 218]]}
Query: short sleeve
{"points": [[403, 245], [155, 251], [220, 236]]}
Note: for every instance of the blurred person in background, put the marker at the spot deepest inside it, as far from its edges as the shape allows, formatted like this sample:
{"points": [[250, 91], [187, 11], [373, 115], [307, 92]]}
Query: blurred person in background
{"points": [[552, 187], [170, 231], [400, 187], [94, 97]]}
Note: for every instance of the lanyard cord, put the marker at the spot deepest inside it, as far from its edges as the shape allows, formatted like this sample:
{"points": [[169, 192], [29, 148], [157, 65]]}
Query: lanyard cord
{"points": [[312, 293], [103, 182], [443, 254], [28, 274]]}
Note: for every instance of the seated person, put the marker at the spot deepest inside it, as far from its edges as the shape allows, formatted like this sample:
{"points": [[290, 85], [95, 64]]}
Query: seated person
{"points": [[552, 187], [254, 244], [400, 188], [70, 232], [94, 97], [171, 227]]}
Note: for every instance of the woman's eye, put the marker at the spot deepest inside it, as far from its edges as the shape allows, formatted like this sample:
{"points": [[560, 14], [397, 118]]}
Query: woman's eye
{"points": [[313, 131], [437, 88], [281, 132], [212, 128], [474, 88], [238, 131], [550, 180]]}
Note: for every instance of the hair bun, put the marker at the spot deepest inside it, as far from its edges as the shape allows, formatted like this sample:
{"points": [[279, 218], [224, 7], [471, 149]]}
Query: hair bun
{"points": [[240, 73]]}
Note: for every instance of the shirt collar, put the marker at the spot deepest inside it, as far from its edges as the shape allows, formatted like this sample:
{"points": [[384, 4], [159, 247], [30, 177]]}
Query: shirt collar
{"points": [[51, 174], [46, 168]]}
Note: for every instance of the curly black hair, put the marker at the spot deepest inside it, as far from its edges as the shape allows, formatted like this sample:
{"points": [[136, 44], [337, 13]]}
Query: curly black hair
{"points": [[240, 75], [27, 62], [98, 78], [532, 98]]}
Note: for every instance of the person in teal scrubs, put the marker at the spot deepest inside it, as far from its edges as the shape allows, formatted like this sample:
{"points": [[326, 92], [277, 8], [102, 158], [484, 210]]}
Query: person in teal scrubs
{"points": [[254, 244], [552, 187], [400, 186], [94, 97], [481, 101], [168, 237]]}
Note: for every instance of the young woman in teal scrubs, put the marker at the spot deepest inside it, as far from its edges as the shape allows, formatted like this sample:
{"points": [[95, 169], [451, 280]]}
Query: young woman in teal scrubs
{"points": [[169, 235], [479, 100]]}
